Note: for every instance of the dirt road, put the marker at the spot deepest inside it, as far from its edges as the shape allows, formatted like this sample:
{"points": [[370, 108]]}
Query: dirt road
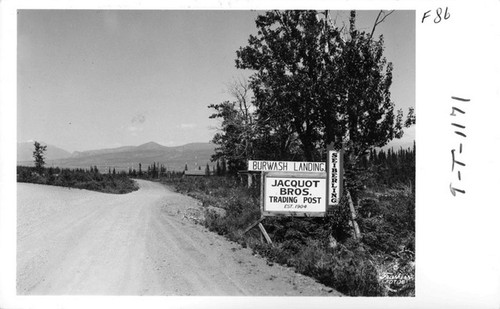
{"points": [[73, 241]]}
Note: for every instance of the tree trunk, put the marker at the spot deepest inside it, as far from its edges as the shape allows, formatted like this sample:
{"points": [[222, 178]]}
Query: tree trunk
{"points": [[355, 227]]}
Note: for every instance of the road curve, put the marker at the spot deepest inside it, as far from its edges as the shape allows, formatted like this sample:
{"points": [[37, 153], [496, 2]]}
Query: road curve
{"points": [[79, 242]]}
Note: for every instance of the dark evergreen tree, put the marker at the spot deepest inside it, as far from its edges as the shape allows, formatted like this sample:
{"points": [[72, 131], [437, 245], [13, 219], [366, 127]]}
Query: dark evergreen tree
{"points": [[218, 170], [39, 156], [223, 169]]}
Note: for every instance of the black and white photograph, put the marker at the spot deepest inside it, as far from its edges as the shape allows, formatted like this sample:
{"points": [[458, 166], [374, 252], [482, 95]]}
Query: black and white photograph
{"points": [[192, 152], [135, 132]]}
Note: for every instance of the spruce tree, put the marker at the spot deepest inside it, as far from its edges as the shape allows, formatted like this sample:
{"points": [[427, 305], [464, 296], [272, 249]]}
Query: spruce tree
{"points": [[39, 156]]}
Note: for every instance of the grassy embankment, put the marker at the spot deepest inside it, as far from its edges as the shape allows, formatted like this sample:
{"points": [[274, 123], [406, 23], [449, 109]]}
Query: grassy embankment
{"points": [[322, 248], [117, 183]]}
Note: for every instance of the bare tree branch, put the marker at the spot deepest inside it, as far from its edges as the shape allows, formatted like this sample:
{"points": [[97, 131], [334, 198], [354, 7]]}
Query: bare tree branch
{"points": [[378, 21], [239, 88]]}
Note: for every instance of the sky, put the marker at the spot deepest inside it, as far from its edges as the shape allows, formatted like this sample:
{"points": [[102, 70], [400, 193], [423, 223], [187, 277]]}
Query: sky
{"points": [[104, 79]]}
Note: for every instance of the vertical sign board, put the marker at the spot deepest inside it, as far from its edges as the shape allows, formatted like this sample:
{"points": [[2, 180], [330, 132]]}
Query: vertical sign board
{"points": [[334, 177], [294, 194]]}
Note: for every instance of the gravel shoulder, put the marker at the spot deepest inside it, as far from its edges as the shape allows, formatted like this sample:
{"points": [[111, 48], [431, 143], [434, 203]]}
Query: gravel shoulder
{"points": [[79, 242]]}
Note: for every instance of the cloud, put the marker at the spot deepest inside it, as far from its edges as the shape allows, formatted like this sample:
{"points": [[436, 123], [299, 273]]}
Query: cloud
{"points": [[139, 118], [134, 130], [188, 125]]}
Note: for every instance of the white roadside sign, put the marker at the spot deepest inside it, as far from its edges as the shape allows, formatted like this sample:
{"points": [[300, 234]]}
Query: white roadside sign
{"points": [[296, 194], [286, 166]]}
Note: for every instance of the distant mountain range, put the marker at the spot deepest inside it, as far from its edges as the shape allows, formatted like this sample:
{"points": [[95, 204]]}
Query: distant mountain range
{"points": [[123, 158]]}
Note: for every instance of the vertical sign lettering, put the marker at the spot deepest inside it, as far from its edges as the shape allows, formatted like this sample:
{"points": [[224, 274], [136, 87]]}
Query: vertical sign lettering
{"points": [[334, 186]]}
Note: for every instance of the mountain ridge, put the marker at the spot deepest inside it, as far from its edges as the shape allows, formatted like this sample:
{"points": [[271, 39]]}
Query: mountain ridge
{"points": [[127, 157]]}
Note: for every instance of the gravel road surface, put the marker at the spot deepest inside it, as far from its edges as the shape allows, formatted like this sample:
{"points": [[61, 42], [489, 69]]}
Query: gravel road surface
{"points": [[79, 242]]}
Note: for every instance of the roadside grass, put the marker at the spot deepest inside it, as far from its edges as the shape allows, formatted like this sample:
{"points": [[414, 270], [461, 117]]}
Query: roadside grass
{"points": [[118, 183], [322, 248]]}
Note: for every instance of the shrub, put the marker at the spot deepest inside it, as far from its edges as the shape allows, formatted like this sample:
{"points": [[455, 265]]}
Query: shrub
{"points": [[350, 271], [353, 267], [77, 178], [390, 225]]}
